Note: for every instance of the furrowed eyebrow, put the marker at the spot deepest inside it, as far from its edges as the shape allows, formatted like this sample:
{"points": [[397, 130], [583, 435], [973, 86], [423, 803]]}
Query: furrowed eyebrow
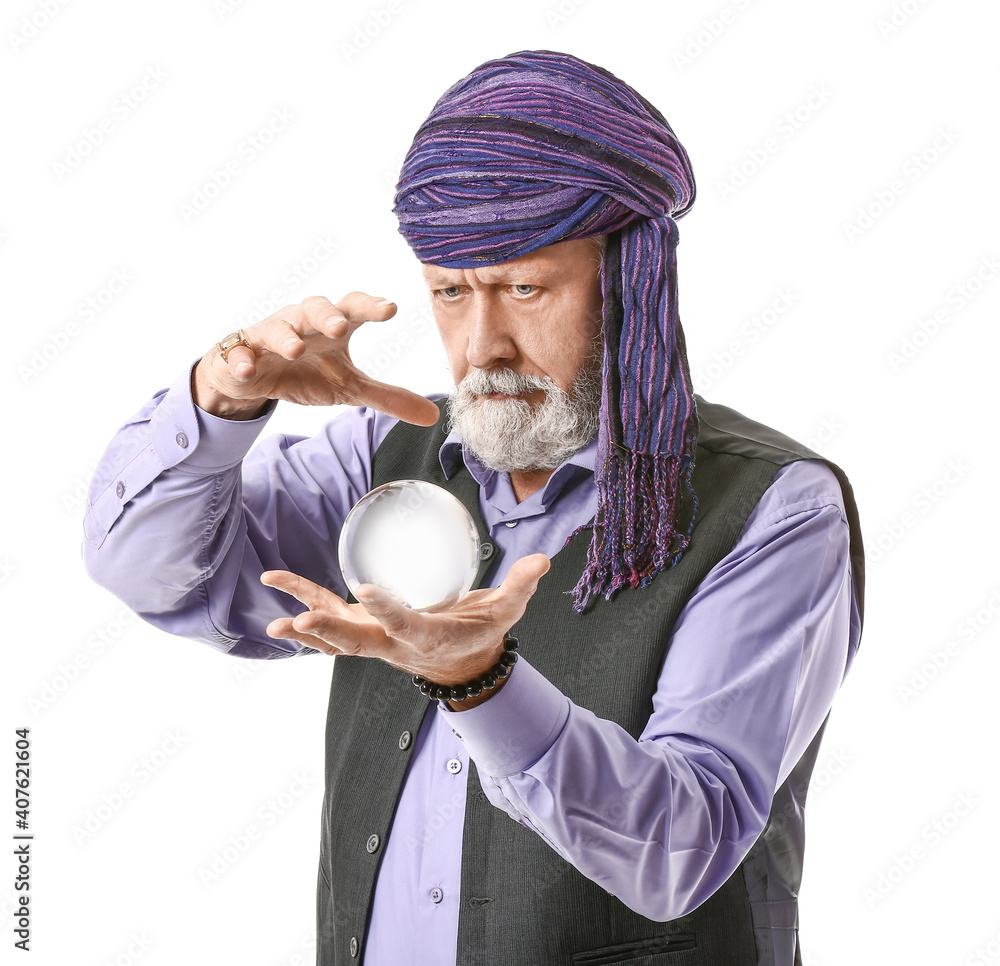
{"points": [[518, 275], [496, 275], [440, 280]]}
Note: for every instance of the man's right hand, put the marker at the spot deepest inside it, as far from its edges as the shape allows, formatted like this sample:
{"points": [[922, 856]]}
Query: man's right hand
{"points": [[300, 355]]}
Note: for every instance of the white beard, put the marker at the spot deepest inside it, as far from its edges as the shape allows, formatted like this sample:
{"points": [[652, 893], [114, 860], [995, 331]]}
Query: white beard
{"points": [[511, 434]]}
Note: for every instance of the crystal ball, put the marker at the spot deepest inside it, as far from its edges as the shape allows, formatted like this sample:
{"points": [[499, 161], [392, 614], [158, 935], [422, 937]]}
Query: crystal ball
{"points": [[414, 540]]}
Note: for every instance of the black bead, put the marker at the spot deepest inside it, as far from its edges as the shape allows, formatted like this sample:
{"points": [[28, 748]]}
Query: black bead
{"points": [[473, 689]]}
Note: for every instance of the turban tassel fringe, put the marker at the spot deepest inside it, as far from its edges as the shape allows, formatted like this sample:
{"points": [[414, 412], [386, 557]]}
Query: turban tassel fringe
{"points": [[649, 421], [636, 536]]}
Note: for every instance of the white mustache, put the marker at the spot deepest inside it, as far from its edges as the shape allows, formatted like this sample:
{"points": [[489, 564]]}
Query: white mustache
{"points": [[509, 434], [480, 382]]}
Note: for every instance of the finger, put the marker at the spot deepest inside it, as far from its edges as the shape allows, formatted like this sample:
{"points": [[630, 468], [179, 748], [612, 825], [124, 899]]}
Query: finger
{"points": [[346, 636], [285, 332], [394, 617], [521, 582], [395, 401], [240, 362], [283, 629], [318, 314], [340, 321], [283, 338], [302, 589], [337, 321], [357, 307]]}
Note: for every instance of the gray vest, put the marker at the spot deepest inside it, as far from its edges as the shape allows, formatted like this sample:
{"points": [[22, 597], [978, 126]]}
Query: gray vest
{"points": [[521, 904]]}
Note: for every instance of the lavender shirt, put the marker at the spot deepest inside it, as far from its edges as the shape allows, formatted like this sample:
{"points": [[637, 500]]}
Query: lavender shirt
{"points": [[182, 522]]}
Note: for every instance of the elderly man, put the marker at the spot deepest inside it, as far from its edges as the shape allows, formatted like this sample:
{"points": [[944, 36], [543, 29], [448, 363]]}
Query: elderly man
{"points": [[683, 586]]}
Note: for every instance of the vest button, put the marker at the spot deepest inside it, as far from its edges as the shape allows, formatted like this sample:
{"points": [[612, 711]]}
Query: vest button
{"points": [[486, 551], [405, 740], [354, 947], [373, 843]]}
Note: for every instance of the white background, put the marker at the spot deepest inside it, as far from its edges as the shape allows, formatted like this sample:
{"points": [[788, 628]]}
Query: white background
{"points": [[870, 103]]}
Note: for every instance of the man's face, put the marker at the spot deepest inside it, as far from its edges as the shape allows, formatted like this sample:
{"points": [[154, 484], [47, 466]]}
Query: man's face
{"points": [[524, 342], [536, 314]]}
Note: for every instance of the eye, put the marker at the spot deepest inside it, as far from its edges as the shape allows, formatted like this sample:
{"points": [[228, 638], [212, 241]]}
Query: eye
{"points": [[451, 292], [524, 289]]}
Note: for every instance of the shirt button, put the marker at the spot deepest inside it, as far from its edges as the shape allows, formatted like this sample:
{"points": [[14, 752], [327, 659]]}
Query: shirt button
{"points": [[454, 766], [120, 490], [510, 523], [405, 739], [373, 843], [354, 947], [486, 551], [436, 895], [181, 440]]}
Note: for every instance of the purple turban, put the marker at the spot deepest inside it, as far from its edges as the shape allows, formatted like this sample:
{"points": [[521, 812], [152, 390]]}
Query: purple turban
{"points": [[538, 148]]}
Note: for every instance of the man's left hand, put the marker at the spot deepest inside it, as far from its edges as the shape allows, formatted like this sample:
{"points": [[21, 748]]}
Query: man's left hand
{"points": [[447, 647]]}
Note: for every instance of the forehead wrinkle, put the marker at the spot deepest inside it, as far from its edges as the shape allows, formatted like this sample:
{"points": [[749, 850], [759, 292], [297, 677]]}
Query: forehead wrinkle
{"points": [[438, 275], [516, 272]]}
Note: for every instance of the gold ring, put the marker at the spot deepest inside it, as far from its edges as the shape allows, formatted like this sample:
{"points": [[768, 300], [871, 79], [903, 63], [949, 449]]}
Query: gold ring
{"points": [[231, 341]]}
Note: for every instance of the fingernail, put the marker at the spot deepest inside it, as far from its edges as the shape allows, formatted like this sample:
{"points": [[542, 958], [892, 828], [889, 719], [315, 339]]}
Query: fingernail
{"points": [[365, 598], [382, 302]]}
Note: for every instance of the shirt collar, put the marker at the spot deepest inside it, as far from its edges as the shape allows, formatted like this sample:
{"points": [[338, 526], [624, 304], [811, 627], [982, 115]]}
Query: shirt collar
{"points": [[454, 448]]}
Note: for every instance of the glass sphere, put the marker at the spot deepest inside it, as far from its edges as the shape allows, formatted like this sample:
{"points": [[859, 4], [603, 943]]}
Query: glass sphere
{"points": [[414, 540]]}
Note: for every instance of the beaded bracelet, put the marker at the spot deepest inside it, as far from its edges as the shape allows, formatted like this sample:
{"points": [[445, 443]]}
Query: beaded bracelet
{"points": [[459, 692]]}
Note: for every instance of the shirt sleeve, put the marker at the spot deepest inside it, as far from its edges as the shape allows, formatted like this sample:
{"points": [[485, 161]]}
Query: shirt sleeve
{"points": [[755, 660], [181, 521]]}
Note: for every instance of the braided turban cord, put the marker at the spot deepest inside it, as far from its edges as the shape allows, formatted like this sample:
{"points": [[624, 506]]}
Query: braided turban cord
{"points": [[538, 148]]}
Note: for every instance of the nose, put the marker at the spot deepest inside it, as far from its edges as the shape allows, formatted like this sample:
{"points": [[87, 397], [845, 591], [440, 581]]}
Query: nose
{"points": [[490, 339]]}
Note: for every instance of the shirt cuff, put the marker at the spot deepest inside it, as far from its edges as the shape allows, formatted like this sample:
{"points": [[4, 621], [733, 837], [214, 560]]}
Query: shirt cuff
{"points": [[197, 441], [512, 730]]}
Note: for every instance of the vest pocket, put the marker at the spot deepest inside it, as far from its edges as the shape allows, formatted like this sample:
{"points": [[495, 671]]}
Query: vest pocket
{"points": [[628, 952]]}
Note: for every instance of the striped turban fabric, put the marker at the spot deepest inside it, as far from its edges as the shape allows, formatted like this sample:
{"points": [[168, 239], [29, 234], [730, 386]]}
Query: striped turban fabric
{"points": [[540, 147]]}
